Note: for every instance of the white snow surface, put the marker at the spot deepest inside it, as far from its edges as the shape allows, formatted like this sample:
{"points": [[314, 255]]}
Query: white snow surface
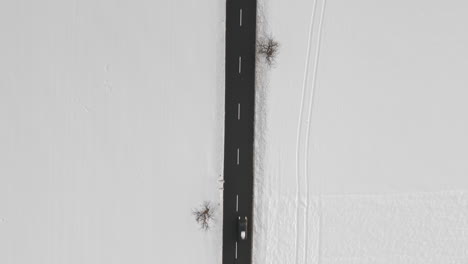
{"points": [[361, 133], [112, 116], [112, 132]]}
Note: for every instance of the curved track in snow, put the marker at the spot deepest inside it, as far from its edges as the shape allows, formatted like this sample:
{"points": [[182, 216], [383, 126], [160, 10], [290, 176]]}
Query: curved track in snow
{"points": [[299, 130], [303, 194]]}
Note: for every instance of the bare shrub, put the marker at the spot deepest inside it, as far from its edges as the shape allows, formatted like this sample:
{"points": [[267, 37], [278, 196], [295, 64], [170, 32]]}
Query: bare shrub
{"points": [[268, 48], [204, 215]]}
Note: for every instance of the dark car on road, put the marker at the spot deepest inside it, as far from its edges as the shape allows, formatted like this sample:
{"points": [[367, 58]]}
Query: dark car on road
{"points": [[242, 227]]}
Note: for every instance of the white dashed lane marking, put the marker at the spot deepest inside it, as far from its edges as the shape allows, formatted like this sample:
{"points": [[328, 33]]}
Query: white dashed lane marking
{"points": [[236, 251], [240, 17]]}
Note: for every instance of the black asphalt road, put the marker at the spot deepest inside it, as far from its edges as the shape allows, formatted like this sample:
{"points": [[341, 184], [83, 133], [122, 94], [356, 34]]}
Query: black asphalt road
{"points": [[239, 128]]}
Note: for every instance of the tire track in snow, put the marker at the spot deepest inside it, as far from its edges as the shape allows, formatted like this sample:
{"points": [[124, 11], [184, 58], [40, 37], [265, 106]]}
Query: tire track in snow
{"points": [[307, 145], [299, 126]]}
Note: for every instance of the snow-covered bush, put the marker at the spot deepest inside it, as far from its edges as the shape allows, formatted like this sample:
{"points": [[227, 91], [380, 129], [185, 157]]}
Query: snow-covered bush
{"points": [[268, 48], [204, 215]]}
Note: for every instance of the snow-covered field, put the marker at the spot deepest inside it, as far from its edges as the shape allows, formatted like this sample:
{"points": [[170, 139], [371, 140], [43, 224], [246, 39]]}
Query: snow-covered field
{"points": [[111, 130], [364, 134]]}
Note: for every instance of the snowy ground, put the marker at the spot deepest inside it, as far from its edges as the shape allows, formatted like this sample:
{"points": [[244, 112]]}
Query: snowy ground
{"points": [[364, 134], [111, 130]]}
